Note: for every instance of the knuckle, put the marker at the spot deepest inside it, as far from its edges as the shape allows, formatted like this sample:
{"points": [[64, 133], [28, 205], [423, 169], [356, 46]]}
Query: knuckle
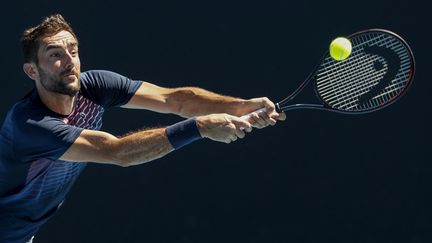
{"points": [[225, 116], [231, 126]]}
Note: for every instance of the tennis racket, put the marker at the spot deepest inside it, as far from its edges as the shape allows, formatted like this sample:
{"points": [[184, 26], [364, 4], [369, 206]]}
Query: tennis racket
{"points": [[377, 73]]}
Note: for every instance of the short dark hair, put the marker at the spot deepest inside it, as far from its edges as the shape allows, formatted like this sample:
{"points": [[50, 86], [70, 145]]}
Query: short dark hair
{"points": [[50, 25]]}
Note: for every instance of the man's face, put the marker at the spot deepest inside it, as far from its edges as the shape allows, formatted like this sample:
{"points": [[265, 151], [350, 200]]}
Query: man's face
{"points": [[59, 65]]}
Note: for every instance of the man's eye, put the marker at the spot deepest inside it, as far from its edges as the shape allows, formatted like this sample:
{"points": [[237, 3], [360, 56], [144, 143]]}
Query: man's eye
{"points": [[55, 54]]}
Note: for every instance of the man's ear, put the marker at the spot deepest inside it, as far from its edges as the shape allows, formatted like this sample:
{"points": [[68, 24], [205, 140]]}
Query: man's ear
{"points": [[31, 70]]}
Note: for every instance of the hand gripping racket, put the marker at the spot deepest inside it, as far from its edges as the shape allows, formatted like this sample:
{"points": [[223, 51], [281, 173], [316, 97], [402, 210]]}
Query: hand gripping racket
{"points": [[376, 74]]}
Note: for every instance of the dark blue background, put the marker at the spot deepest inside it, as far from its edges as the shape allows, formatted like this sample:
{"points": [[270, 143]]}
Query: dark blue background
{"points": [[318, 177]]}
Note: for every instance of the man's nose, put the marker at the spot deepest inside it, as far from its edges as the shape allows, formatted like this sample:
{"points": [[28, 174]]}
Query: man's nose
{"points": [[69, 61]]}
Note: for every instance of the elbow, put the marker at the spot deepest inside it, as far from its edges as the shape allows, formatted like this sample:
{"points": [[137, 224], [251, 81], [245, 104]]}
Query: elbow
{"points": [[126, 161], [122, 159], [123, 163]]}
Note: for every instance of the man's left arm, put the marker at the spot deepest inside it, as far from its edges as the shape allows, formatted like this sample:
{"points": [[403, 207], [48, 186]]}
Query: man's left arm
{"points": [[192, 101]]}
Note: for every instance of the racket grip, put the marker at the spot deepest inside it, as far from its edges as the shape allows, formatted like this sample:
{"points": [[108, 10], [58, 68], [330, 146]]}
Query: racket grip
{"points": [[247, 116]]}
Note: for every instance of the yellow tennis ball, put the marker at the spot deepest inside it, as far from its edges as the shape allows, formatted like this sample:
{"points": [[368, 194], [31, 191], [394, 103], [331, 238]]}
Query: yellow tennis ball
{"points": [[340, 48]]}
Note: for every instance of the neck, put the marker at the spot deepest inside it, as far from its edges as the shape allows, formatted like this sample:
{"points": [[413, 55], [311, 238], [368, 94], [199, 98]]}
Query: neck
{"points": [[59, 103]]}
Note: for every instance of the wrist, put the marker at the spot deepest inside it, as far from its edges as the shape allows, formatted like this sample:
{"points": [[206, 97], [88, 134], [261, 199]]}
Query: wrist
{"points": [[183, 133], [200, 122], [247, 106], [241, 106]]}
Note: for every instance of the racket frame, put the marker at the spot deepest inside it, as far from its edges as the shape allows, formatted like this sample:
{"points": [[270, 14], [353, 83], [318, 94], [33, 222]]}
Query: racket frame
{"points": [[284, 106]]}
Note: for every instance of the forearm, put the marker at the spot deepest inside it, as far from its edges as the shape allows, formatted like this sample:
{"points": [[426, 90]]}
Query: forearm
{"points": [[192, 101], [143, 146], [132, 149], [140, 147]]}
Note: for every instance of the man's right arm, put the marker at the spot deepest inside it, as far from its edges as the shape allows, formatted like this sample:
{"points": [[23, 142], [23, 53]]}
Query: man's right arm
{"points": [[144, 146]]}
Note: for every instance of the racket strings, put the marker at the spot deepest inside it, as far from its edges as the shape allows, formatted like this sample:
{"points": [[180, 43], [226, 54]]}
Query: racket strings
{"points": [[364, 86], [346, 75], [350, 72], [347, 85], [326, 89]]}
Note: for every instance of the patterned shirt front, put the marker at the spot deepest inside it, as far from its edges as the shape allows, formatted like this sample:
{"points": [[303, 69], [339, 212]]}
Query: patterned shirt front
{"points": [[33, 181]]}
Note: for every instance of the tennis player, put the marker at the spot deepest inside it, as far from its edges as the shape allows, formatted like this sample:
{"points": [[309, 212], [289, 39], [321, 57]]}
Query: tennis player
{"points": [[48, 135]]}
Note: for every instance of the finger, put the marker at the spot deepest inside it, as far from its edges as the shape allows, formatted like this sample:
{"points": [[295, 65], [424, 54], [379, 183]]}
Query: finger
{"points": [[273, 121], [240, 133], [263, 120], [269, 105], [257, 121], [240, 123], [281, 116], [278, 116], [267, 119], [274, 114], [233, 137]]}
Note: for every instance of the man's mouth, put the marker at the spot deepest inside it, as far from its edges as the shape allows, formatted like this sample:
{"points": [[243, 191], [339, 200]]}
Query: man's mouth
{"points": [[69, 77], [68, 73]]}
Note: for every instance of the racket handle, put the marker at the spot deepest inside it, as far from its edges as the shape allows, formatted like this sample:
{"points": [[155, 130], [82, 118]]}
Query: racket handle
{"points": [[247, 116]]}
